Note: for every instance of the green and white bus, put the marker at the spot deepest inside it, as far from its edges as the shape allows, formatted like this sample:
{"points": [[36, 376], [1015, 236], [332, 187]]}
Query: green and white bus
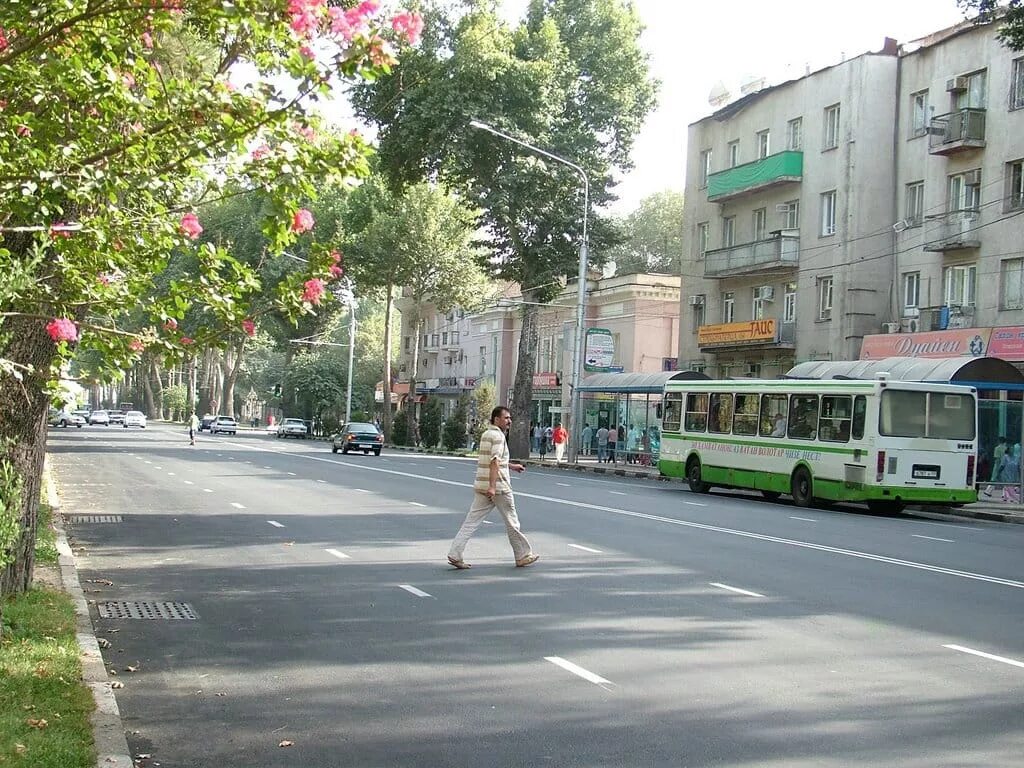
{"points": [[887, 443]]}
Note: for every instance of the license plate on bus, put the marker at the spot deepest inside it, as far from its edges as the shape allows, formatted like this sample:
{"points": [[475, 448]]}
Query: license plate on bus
{"points": [[926, 472]]}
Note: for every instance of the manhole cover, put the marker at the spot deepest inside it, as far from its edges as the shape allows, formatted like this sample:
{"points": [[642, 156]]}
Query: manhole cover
{"points": [[75, 519], [132, 609]]}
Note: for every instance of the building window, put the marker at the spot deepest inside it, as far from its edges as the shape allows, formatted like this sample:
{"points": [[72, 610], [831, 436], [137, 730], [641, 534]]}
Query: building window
{"points": [[734, 153], [1015, 185], [760, 223], [828, 213], [831, 127], [444, 338], [698, 312], [705, 167], [483, 361], [407, 343], [728, 307], [1012, 284], [789, 304], [426, 339], [759, 304], [1017, 84], [974, 96], [915, 204], [763, 144], [703, 231], [791, 215], [825, 298], [918, 114], [795, 134], [728, 231], [960, 285], [911, 291], [965, 191]]}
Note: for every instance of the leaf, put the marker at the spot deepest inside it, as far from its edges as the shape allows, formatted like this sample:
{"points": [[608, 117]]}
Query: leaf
{"points": [[286, 743], [117, 684], [131, 668], [39, 723]]}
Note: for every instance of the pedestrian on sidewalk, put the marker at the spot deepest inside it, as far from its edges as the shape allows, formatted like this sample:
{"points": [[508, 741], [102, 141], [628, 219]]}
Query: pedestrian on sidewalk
{"points": [[588, 435], [560, 436], [602, 445], [538, 434], [493, 488], [193, 427], [613, 442]]}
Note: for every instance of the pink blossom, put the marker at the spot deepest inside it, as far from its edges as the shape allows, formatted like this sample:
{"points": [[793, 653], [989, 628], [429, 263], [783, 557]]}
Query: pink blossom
{"points": [[336, 256], [57, 229], [305, 132], [3, 104], [302, 221], [260, 152], [147, 40], [382, 54], [249, 327], [336, 271], [314, 290], [186, 340], [307, 52], [23, 131], [62, 329], [129, 79], [368, 8], [171, 324], [3, 39], [408, 24], [190, 226], [305, 15], [136, 346], [104, 279]]}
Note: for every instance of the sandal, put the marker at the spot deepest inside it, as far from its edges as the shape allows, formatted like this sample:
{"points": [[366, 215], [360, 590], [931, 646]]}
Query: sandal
{"points": [[530, 559], [462, 565]]}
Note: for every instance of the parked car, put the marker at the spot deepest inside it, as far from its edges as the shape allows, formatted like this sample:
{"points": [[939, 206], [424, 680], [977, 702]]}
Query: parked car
{"points": [[135, 419], [116, 416], [358, 436], [84, 413], [99, 417], [225, 425], [206, 422], [65, 419], [292, 428]]}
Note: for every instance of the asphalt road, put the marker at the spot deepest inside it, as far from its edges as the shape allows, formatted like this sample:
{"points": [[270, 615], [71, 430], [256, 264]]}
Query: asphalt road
{"points": [[660, 627]]}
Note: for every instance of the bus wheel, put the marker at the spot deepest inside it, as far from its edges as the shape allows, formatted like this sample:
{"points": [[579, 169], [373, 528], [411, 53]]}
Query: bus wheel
{"points": [[693, 477], [771, 495], [801, 487]]}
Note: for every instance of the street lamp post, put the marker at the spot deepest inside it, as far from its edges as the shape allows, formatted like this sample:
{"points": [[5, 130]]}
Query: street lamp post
{"points": [[575, 418]]}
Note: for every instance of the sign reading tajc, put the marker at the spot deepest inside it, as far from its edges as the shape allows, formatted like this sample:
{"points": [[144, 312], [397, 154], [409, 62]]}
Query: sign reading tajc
{"points": [[599, 351]]}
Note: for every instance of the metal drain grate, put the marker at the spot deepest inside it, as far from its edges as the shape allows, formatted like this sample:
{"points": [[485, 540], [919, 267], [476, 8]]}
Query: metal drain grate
{"points": [[76, 519], [130, 609]]}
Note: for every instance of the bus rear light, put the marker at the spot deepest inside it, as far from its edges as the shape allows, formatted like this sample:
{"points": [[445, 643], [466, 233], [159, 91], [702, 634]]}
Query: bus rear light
{"points": [[880, 467], [970, 470]]}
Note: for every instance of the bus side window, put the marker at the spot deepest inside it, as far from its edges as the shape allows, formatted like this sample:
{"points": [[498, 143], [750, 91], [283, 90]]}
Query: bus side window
{"points": [[672, 411], [773, 415], [721, 413], [803, 417], [860, 410], [745, 420], [696, 412], [834, 423]]}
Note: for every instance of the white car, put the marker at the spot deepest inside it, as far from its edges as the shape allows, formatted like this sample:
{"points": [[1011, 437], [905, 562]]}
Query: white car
{"points": [[135, 419], [66, 419], [224, 424], [292, 428], [99, 417]]}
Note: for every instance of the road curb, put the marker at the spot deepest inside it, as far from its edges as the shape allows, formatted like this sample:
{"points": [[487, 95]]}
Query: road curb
{"points": [[107, 728]]}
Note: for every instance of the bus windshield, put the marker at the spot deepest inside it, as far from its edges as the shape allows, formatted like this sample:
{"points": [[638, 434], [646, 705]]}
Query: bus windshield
{"points": [[938, 415]]}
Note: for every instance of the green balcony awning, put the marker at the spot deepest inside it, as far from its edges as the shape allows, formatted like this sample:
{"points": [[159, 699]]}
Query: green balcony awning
{"points": [[775, 169]]}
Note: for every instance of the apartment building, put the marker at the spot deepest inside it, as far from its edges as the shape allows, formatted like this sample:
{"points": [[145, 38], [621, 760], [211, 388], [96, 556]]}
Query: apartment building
{"points": [[872, 197]]}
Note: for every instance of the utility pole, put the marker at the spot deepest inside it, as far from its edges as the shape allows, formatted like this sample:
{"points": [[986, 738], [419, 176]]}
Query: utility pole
{"points": [[351, 350]]}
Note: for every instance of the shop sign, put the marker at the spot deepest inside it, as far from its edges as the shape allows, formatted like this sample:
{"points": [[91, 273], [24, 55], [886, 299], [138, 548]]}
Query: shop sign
{"points": [[1007, 343], [427, 385], [545, 380], [599, 350], [469, 382], [738, 334], [958, 342]]}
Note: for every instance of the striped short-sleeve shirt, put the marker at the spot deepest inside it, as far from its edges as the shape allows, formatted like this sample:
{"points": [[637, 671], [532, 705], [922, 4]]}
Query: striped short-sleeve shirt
{"points": [[493, 447]]}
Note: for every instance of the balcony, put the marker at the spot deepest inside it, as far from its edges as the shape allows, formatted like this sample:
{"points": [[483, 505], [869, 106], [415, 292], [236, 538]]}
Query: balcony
{"points": [[779, 252], [781, 168], [450, 341], [952, 231], [956, 132]]}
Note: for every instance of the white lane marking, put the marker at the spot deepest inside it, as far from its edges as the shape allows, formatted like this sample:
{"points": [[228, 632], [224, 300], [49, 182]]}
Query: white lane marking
{"points": [[208, 490], [148, 462], [360, 490], [440, 467], [275, 523], [412, 463], [263, 467], [564, 485], [990, 656], [321, 481], [417, 504], [337, 554], [488, 522], [687, 524], [931, 538], [170, 474], [948, 525], [805, 519], [292, 474], [737, 590], [586, 674], [418, 592], [188, 482], [155, 467], [586, 549], [618, 493], [236, 505]]}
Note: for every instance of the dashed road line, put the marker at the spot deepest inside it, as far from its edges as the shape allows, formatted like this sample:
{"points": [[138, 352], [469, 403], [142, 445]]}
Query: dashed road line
{"points": [[337, 554], [737, 590], [586, 674], [587, 549], [931, 538], [412, 590], [236, 505], [989, 656], [417, 504], [292, 474], [208, 490], [170, 474], [805, 519], [188, 482], [564, 485], [618, 493], [275, 523]]}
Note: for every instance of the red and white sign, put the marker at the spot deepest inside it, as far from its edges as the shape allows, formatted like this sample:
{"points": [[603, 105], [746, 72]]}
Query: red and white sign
{"points": [[1007, 343], [546, 380], [959, 342]]}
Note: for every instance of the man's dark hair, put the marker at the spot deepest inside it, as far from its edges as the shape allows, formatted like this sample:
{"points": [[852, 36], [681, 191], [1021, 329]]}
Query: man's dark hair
{"points": [[498, 411]]}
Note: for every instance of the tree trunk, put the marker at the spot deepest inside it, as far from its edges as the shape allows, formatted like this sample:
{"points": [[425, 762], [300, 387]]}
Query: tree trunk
{"points": [[149, 400], [522, 388], [416, 324], [154, 374], [386, 416], [23, 407], [230, 367]]}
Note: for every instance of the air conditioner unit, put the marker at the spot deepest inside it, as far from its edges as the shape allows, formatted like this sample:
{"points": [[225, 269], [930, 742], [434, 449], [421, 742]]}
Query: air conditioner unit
{"points": [[448, 360], [955, 84], [967, 309], [766, 293], [911, 312], [890, 327], [972, 178], [910, 325], [696, 301], [782, 207]]}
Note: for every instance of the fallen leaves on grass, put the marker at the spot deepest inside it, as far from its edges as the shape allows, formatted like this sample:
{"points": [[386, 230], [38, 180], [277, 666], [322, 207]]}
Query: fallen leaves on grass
{"points": [[39, 723]]}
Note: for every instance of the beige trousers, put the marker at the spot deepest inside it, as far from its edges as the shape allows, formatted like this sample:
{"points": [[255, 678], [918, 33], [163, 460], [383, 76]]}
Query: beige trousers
{"points": [[482, 506], [559, 451]]}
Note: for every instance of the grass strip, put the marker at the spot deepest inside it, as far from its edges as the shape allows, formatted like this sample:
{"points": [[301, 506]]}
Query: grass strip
{"points": [[46, 537]]}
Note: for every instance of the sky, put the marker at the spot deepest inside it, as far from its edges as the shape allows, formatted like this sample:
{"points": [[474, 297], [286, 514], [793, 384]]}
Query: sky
{"points": [[694, 45]]}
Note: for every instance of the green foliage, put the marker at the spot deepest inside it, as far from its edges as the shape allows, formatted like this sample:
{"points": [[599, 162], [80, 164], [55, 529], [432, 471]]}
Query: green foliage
{"points": [[430, 422], [486, 400], [654, 236], [46, 537], [401, 431], [175, 400], [11, 484], [319, 381], [1009, 13], [455, 428]]}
